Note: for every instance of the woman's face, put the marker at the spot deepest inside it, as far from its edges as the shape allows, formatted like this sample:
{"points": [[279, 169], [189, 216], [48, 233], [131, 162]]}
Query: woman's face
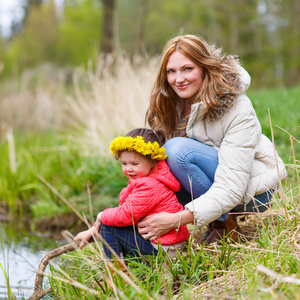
{"points": [[183, 75]]}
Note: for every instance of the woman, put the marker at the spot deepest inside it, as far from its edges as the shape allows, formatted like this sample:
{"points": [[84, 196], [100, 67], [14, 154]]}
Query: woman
{"points": [[215, 149]]}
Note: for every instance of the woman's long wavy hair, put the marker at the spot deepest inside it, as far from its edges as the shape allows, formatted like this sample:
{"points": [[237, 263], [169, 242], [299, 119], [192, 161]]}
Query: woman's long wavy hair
{"points": [[219, 88]]}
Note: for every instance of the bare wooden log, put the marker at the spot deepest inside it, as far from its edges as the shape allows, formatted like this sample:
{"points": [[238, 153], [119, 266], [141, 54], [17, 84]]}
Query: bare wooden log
{"points": [[38, 286]]}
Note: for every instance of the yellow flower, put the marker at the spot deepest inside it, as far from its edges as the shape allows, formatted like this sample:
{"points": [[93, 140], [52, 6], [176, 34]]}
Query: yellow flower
{"points": [[118, 142], [127, 143], [148, 149], [137, 144], [155, 146]]}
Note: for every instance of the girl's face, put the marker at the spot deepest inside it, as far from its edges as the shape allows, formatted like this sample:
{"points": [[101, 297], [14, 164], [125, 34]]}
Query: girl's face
{"points": [[183, 75], [135, 165]]}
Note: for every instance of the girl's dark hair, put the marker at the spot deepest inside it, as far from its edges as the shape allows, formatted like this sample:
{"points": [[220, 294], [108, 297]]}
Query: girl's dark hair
{"points": [[149, 135]]}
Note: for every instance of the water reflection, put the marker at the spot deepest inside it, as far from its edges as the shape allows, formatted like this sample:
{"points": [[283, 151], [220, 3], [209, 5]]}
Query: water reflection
{"points": [[20, 254]]}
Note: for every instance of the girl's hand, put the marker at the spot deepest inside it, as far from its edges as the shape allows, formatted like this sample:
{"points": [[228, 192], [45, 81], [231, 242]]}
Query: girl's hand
{"points": [[85, 236], [97, 225], [98, 222], [99, 217]]}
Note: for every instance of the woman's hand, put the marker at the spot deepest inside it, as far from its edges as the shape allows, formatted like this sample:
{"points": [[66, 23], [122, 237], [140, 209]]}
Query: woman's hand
{"points": [[85, 236], [153, 226]]}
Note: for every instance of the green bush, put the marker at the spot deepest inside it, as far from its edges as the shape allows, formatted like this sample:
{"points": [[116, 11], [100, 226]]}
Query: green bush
{"points": [[63, 166]]}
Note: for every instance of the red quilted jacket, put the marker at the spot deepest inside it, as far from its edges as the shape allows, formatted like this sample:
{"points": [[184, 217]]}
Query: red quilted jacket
{"points": [[147, 196]]}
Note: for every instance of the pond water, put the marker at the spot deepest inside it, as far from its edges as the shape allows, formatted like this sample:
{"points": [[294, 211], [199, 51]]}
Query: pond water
{"points": [[20, 254]]}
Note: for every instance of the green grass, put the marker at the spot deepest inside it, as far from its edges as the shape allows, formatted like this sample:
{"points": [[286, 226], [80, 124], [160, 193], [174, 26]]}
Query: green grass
{"points": [[284, 107], [9, 293], [62, 165], [231, 271]]}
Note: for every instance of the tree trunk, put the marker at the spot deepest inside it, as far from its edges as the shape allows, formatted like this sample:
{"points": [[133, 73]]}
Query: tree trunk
{"points": [[108, 36], [138, 45]]}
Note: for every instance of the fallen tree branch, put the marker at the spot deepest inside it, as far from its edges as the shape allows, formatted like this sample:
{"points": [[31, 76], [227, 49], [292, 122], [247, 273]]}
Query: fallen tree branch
{"points": [[38, 286]]}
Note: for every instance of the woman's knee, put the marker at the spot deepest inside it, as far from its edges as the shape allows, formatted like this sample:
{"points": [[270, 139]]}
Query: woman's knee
{"points": [[174, 147]]}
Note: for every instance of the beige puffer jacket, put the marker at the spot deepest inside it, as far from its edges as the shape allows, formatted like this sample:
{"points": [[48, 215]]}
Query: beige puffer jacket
{"points": [[248, 163]]}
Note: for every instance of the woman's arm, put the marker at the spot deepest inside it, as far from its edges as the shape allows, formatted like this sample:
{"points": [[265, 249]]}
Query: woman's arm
{"points": [[156, 225]]}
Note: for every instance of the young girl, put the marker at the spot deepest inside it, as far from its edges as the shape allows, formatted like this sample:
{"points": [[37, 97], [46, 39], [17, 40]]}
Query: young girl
{"points": [[150, 190]]}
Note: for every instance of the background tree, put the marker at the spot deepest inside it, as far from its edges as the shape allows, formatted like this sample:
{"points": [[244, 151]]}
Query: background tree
{"points": [[38, 40], [108, 26], [264, 33], [139, 45], [28, 5], [79, 34]]}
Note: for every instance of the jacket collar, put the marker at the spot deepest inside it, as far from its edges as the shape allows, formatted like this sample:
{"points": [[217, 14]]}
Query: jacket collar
{"points": [[197, 110]]}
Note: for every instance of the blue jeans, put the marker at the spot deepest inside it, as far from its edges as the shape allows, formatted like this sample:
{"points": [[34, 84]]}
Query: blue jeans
{"points": [[124, 240], [194, 165]]}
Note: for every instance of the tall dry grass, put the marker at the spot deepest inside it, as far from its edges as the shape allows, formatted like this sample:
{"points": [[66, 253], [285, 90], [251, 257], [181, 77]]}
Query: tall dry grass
{"points": [[112, 99], [95, 103], [32, 102]]}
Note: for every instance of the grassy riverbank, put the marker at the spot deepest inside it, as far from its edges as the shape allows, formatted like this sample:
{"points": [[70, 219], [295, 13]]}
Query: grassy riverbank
{"points": [[84, 175], [54, 139]]}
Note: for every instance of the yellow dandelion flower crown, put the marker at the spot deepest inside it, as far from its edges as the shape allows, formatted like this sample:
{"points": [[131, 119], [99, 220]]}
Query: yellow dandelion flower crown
{"points": [[139, 145]]}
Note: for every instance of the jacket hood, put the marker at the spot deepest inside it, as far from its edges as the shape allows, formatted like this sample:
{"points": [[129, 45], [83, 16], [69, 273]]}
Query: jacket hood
{"points": [[245, 79], [162, 173], [226, 101]]}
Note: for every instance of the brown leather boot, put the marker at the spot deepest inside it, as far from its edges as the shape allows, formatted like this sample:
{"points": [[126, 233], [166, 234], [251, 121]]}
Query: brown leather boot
{"points": [[217, 231], [206, 234]]}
